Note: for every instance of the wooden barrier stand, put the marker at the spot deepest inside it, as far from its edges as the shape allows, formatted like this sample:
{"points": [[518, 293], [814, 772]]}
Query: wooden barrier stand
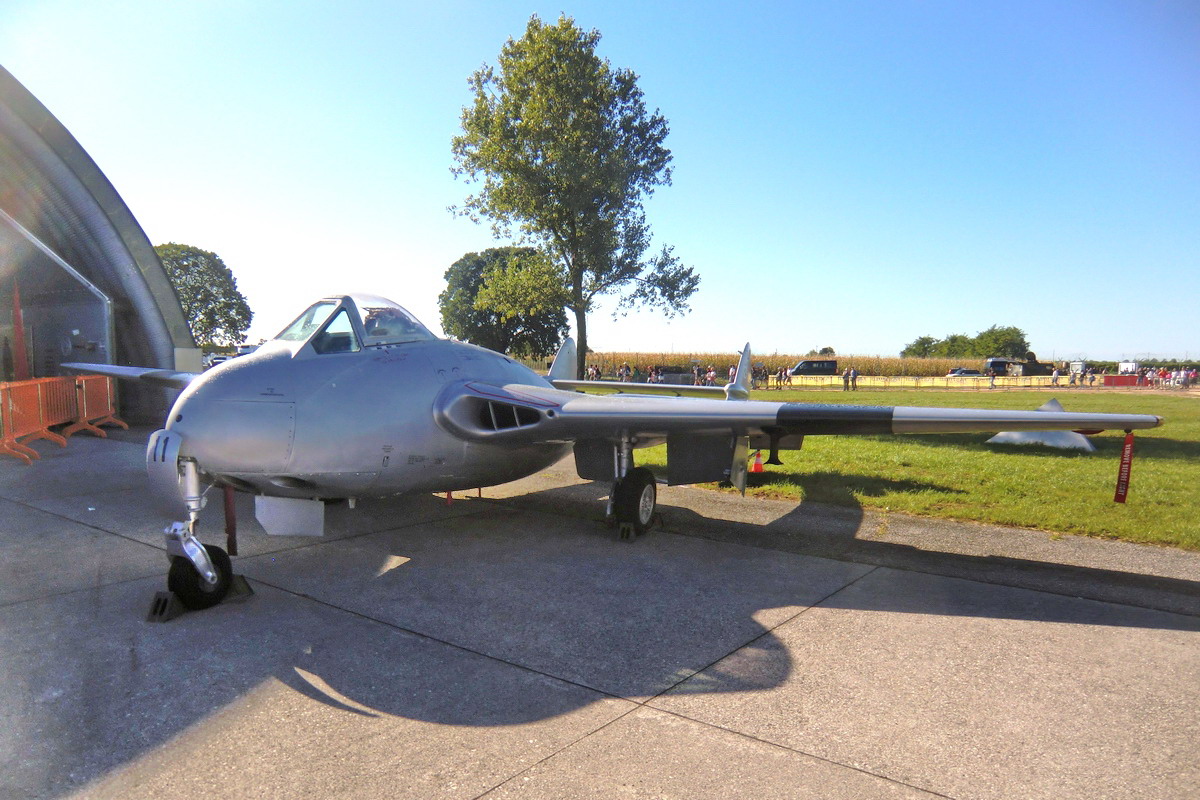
{"points": [[29, 409]]}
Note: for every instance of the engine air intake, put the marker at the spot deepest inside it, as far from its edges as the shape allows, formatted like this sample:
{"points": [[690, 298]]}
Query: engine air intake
{"points": [[505, 416]]}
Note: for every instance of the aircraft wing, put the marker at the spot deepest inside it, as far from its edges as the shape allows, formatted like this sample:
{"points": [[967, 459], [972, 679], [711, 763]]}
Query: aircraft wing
{"points": [[708, 440], [555, 415], [158, 377]]}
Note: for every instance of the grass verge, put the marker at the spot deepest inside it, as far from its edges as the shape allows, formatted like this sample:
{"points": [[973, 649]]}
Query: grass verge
{"points": [[958, 476]]}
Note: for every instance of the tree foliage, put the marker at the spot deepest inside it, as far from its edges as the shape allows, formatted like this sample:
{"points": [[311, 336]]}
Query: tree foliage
{"points": [[1006, 342], [565, 151], [921, 347], [508, 299], [216, 311]]}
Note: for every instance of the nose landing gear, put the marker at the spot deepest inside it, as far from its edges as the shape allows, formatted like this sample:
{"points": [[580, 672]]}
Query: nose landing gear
{"points": [[194, 590], [201, 576]]}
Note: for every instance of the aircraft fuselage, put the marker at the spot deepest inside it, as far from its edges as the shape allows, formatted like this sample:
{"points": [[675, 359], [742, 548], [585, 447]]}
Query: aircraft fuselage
{"points": [[289, 423]]}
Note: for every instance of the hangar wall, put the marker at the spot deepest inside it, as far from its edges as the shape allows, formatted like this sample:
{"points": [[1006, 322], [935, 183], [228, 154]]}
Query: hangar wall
{"points": [[91, 286]]}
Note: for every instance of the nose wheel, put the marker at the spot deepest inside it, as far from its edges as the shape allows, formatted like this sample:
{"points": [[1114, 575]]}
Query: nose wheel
{"points": [[186, 582], [634, 499]]}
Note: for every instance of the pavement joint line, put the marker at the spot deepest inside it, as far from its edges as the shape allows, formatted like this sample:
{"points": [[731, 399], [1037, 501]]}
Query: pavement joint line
{"points": [[807, 607], [779, 746], [846, 559], [57, 495], [83, 524], [69, 592], [163, 549], [560, 750], [318, 541], [1012, 584], [645, 704], [436, 640]]}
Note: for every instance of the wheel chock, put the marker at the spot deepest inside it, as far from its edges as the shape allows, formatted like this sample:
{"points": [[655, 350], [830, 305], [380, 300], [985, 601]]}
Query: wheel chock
{"points": [[239, 590], [166, 606], [626, 532]]}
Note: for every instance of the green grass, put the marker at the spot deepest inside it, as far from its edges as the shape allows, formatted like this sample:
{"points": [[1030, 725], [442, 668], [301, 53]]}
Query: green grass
{"points": [[958, 476]]}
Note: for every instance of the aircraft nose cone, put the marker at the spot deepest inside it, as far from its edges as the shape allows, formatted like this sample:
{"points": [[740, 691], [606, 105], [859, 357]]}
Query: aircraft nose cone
{"points": [[240, 416], [233, 435]]}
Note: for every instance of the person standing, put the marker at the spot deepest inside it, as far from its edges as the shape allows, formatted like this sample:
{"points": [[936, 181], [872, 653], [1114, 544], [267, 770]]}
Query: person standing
{"points": [[853, 379], [846, 379]]}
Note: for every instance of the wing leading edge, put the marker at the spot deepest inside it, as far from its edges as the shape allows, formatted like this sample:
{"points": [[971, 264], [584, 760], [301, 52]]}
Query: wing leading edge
{"points": [[158, 377]]}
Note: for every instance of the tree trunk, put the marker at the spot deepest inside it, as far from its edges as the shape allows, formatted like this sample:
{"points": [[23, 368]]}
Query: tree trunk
{"points": [[581, 350]]}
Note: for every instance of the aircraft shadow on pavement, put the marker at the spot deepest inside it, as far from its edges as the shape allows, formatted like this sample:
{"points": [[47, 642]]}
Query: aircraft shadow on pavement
{"points": [[518, 603], [654, 655], [834, 528]]}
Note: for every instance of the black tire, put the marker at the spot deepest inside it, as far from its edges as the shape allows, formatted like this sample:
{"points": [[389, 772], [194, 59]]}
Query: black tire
{"points": [[635, 499], [193, 591]]}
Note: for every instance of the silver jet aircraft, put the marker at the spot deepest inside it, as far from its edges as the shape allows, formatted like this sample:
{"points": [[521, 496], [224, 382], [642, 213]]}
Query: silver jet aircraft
{"points": [[356, 398]]}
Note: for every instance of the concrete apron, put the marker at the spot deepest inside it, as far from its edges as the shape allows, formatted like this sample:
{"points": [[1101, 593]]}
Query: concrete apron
{"points": [[511, 646]]}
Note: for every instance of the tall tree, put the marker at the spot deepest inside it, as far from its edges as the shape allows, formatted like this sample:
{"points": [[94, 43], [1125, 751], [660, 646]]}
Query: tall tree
{"points": [[1005, 342], [216, 311], [508, 299], [566, 151]]}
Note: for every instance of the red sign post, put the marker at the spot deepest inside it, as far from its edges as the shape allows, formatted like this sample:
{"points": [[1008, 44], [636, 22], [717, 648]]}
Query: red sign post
{"points": [[1123, 472]]}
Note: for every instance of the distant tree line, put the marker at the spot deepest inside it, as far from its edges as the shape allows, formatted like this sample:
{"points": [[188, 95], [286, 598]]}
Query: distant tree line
{"points": [[1005, 342]]}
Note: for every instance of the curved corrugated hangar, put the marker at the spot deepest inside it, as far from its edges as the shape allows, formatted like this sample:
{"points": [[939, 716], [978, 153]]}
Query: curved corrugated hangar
{"points": [[89, 284]]}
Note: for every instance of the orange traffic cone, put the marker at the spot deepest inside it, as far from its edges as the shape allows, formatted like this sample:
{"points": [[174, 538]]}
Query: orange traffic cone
{"points": [[757, 466]]}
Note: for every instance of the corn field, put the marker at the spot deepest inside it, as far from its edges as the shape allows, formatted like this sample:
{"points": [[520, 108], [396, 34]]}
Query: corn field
{"points": [[882, 366]]}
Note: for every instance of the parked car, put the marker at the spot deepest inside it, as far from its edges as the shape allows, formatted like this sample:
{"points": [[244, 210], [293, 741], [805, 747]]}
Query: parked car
{"points": [[817, 367], [963, 372]]}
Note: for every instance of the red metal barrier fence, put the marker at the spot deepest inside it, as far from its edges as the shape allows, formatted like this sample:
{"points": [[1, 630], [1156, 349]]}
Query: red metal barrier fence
{"points": [[29, 409], [94, 405]]}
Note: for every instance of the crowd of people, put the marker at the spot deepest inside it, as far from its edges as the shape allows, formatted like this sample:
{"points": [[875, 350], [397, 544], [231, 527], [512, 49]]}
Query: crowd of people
{"points": [[1181, 378], [761, 376], [1151, 377], [765, 377]]}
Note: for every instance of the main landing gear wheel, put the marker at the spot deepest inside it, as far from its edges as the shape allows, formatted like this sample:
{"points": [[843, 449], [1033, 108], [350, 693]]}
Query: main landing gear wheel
{"points": [[634, 500], [192, 590]]}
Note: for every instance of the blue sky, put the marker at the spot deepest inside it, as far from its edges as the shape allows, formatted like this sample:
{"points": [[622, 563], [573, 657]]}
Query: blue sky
{"points": [[851, 174]]}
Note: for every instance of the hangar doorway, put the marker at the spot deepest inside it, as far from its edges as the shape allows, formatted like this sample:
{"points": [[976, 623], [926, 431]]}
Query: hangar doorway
{"points": [[64, 316]]}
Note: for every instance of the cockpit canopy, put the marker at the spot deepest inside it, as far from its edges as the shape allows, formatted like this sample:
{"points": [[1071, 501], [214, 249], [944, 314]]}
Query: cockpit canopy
{"points": [[348, 323]]}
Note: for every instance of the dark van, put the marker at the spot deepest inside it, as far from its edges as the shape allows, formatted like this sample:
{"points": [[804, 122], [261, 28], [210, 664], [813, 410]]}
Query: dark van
{"points": [[819, 367]]}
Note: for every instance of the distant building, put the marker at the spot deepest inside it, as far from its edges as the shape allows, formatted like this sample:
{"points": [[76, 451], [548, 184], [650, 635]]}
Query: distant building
{"points": [[91, 286]]}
